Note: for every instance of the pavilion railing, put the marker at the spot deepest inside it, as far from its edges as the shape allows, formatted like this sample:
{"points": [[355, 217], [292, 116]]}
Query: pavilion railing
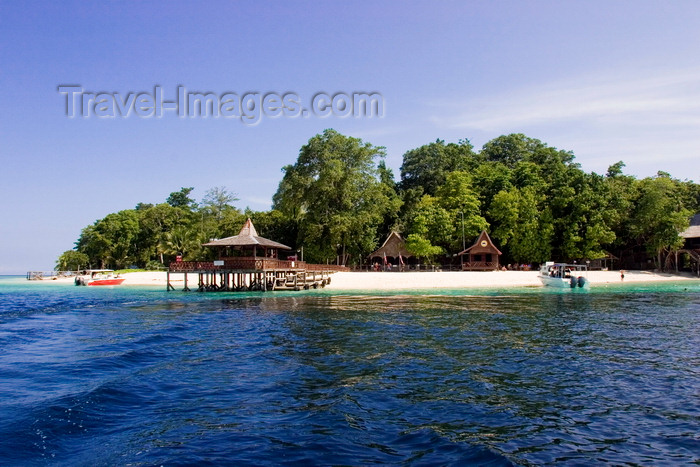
{"points": [[251, 264], [480, 265]]}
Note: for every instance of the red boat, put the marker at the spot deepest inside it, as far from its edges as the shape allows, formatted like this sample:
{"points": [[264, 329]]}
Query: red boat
{"points": [[98, 277], [113, 281]]}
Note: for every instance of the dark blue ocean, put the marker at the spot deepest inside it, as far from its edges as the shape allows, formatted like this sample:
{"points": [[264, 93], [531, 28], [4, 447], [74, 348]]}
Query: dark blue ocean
{"points": [[140, 376]]}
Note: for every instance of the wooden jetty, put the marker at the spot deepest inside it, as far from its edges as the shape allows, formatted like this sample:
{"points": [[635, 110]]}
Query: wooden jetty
{"points": [[254, 273], [42, 275], [241, 268]]}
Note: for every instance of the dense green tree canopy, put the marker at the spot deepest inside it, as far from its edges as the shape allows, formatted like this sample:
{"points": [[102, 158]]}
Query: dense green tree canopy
{"points": [[72, 260], [334, 194], [427, 167], [181, 199], [339, 201]]}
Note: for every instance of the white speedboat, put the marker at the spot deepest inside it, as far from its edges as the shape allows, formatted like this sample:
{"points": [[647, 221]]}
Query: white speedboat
{"points": [[563, 275], [98, 277]]}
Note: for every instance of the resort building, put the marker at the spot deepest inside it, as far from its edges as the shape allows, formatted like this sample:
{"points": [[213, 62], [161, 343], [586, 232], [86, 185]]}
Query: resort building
{"points": [[689, 255], [692, 234], [481, 256]]}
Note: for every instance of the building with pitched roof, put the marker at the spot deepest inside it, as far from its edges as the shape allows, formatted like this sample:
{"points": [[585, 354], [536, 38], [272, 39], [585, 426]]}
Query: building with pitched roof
{"points": [[692, 234], [689, 255], [482, 255], [392, 252]]}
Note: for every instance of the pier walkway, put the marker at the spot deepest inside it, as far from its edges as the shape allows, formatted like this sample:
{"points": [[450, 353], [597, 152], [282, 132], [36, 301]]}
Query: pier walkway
{"points": [[252, 274]]}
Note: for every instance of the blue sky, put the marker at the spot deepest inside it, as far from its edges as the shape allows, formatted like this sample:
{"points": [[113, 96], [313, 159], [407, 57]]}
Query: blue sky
{"points": [[607, 80]]}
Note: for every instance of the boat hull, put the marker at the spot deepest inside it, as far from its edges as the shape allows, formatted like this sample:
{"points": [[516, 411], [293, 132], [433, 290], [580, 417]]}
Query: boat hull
{"points": [[98, 282], [564, 276], [566, 282]]}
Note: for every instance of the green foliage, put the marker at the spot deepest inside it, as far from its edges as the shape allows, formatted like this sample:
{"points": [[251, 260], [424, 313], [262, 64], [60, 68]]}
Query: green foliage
{"points": [[492, 178], [510, 150], [421, 247], [154, 234], [183, 241], [72, 260], [181, 199], [615, 170], [428, 166], [523, 228], [334, 195], [432, 222], [659, 215], [217, 200], [460, 200], [111, 242], [394, 202]]}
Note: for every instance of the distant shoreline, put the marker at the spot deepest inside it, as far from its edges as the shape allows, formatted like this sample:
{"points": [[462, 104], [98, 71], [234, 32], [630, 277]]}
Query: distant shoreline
{"points": [[380, 281]]}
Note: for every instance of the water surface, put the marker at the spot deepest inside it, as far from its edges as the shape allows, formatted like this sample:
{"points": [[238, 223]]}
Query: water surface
{"points": [[139, 376]]}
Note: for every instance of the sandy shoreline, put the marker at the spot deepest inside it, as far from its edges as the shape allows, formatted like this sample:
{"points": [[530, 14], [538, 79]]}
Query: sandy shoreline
{"points": [[420, 280]]}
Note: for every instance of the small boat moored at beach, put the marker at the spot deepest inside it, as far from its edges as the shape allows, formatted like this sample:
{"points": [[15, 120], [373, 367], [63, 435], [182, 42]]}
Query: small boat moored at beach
{"points": [[98, 277], [564, 275]]}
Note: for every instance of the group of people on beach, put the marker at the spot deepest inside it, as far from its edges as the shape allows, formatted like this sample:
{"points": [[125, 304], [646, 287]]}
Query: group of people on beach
{"points": [[386, 267], [517, 267]]}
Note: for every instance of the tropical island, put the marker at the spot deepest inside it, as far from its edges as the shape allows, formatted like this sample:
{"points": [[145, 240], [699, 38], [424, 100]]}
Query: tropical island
{"points": [[339, 202]]}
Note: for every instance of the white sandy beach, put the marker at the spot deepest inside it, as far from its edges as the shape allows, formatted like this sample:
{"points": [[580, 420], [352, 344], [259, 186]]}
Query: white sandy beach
{"points": [[422, 280], [465, 279]]}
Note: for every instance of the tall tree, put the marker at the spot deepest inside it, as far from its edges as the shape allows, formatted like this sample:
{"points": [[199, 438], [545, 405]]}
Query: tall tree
{"points": [[154, 223], [181, 199], [459, 199], [334, 193], [523, 226], [514, 148], [427, 167], [389, 188], [659, 215], [217, 200], [111, 241], [72, 260], [433, 223]]}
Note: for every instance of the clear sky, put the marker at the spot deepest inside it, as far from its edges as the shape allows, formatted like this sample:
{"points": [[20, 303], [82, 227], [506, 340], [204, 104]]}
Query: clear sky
{"points": [[607, 80]]}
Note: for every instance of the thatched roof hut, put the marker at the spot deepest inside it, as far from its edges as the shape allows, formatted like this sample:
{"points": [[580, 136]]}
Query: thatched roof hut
{"points": [[693, 231], [392, 248]]}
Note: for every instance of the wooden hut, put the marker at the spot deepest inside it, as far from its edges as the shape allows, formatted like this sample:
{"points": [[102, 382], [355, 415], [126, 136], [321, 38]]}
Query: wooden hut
{"points": [[392, 252], [690, 250], [692, 234], [481, 256], [604, 262]]}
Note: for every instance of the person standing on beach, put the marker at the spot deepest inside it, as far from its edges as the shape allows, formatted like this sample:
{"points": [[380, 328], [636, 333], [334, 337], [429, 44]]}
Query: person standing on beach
{"points": [[622, 274]]}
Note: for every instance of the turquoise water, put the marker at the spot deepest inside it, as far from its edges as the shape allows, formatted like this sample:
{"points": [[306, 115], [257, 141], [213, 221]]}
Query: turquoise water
{"points": [[136, 375]]}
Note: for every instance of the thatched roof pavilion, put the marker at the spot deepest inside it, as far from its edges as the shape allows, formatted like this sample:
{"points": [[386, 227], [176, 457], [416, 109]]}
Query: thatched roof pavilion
{"points": [[247, 239], [693, 231], [392, 248]]}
